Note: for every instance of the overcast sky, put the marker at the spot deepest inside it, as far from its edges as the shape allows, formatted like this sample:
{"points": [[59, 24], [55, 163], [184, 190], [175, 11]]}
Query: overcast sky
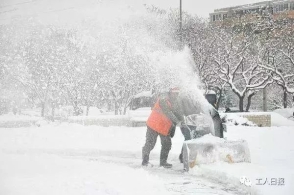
{"points": [[199, 7], [70, 8]]}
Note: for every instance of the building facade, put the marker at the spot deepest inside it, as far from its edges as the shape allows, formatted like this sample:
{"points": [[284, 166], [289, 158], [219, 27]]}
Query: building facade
{"points": [[274, 7]]}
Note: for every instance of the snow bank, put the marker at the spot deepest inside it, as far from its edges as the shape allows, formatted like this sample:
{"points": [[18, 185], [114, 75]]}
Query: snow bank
{"points": [[278, 120], [10, 120], [208, 139], [286, 112], [94, 111], [103, 120], [210, 149], [232, 119], [272, 161], [12, 117]]}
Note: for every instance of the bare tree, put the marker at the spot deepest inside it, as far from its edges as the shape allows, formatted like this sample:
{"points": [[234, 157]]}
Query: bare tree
{"points": [[278, 57], [238, 66]]}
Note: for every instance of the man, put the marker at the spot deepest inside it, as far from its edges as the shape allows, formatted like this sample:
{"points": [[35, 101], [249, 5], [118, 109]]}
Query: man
{"points": [[189, 107], [162, 121], [217, 122]]}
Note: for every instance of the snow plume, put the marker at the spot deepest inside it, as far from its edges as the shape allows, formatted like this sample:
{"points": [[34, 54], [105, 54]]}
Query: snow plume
{"points": [[119, 48], [175, 69], [141, 33]]}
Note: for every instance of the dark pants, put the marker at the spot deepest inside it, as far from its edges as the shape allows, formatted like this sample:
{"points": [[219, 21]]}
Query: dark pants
{"points": [[187, 135], [151, 137], [218, 126], [186, 132]]}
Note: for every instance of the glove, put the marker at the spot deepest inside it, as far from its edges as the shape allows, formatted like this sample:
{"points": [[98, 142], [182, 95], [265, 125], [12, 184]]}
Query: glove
{"points": [[181, 123], [172, 131]]}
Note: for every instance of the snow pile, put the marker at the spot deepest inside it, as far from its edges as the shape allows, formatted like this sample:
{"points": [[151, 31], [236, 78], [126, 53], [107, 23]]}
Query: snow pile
{"points": [[31, 112], [11, 120], [278, 120], [236, 120], [106, 117], [102, 120], [208, 139], [271, 170], [286, 112], [12, 117], [210, 149]]}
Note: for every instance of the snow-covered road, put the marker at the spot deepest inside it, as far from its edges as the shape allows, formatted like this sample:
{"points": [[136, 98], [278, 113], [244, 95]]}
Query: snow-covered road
{"points": [[74, 159]]}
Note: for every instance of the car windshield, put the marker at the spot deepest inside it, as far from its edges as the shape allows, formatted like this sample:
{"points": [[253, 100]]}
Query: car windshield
{"points": [[141, 102]]}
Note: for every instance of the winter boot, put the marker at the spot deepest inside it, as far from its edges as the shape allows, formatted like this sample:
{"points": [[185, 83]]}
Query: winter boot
{"points": [[166, 165], [163, 159], [145, 161], [181, 158]]}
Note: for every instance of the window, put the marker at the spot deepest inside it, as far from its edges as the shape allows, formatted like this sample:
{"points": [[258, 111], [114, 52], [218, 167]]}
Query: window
{"points": [[292, 6], [281, 8], [218, 17], [271, 10], [141, 102]]}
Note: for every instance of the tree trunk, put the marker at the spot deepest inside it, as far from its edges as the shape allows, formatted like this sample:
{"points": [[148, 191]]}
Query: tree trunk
{"points": [[115, 107], [53, 112], [43, 109], [241, 103], [76, 108], [249, 101], [87, 107], [219, 99], [109, 103], [285, 98], [87, 110]]}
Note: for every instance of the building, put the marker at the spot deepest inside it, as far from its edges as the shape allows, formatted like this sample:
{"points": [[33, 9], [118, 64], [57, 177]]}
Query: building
{"points": [[274, 7]]}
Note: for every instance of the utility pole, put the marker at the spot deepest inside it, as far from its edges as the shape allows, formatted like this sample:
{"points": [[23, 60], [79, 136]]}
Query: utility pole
{"points": [[264, 93], [181, 34], [264, 99]]}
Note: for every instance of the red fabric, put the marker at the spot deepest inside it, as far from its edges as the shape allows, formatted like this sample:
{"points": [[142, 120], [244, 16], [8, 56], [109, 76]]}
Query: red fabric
{"points": [[158, 121]]}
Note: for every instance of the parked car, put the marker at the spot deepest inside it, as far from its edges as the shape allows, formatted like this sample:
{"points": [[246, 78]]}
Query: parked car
{"points": [[140, 108]]}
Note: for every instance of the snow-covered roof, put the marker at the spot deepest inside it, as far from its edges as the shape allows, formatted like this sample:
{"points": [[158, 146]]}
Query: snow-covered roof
{"points": [[219, 12], [251, 6], [248, 6], [143, 94], [210, 92], [280, 1]]}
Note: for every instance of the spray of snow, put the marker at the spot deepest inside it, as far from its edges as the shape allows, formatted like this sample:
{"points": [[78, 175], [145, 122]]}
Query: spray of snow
{"points": [[123, 32], [168, 67]]}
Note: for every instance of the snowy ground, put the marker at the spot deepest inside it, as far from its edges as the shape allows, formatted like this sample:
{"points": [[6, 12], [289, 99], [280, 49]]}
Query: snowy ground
{"points": [[74, 159]]}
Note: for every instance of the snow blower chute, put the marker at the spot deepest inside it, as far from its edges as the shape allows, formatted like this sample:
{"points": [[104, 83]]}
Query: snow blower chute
{"points": [[205, 147]]}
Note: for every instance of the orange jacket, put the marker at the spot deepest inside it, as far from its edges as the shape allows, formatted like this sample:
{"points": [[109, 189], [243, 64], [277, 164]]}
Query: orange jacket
{"points": [[158, 121]]}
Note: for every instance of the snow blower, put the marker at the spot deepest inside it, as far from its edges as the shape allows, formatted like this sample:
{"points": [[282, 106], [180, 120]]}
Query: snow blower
{"points": [[205, 147]]}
